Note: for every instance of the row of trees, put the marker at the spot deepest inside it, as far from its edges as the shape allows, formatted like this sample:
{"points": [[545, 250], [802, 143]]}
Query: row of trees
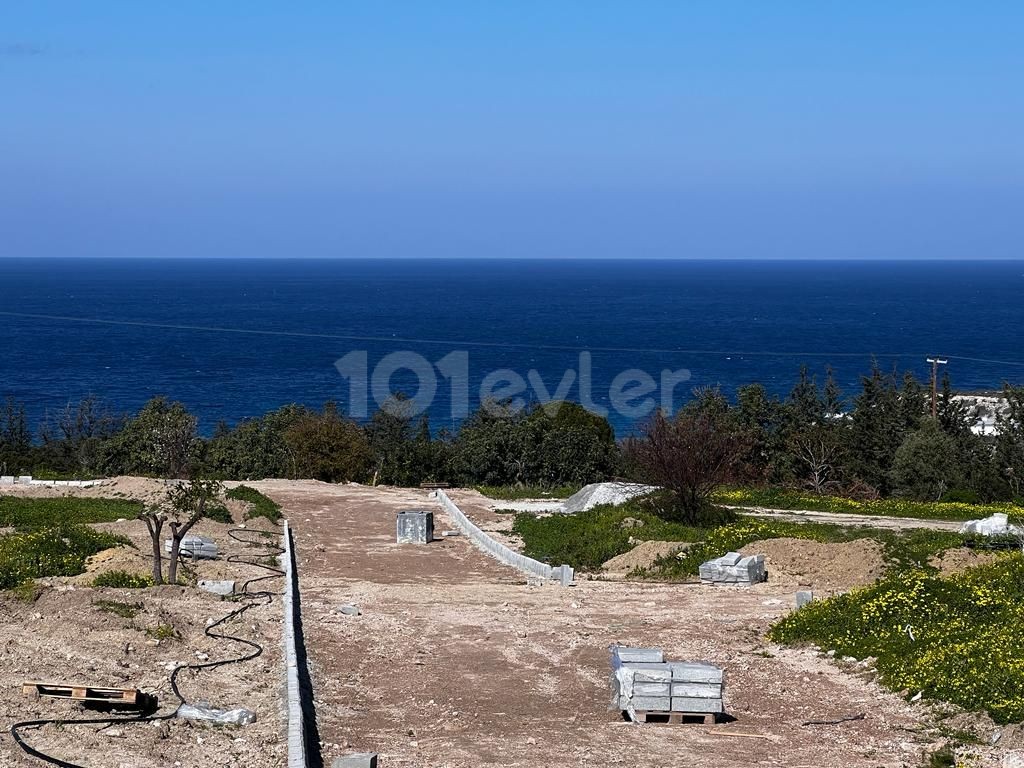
{"points": [[881, 442]]}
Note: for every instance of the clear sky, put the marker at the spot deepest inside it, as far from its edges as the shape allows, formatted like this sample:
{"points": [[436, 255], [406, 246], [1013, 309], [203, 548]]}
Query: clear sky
{"points": [[684, 129]]}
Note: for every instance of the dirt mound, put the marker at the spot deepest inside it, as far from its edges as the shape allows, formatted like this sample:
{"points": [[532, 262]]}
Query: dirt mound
{"points": [[642, 555], [116, 559], [958, 560], [821, 566]]}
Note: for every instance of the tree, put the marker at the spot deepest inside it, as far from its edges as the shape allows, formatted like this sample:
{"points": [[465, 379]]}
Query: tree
{"points": [[326, 446], [1009, 447], [878, 426], [255, 448], [15, 436], [159, 441], [185, 505], [818, 449], [689, 456], [925, 465], [73, 438]]}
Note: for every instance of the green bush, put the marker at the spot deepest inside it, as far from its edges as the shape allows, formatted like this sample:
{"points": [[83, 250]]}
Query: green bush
{"points": [[29, 514], [219, 514], [262, 505], [123, 580], [118, 608], [954, 639], [56, 551], [783, 498]]}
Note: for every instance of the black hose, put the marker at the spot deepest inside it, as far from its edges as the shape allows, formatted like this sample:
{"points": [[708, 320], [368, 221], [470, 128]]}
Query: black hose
{"points": [[251, 599]]}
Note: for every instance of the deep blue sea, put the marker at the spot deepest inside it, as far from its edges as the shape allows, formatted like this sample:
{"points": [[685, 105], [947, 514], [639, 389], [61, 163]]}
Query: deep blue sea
{"points": [[235, 338]]}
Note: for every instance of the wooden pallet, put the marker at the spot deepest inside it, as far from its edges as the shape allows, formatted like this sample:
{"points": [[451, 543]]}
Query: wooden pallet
{"points": [[675, 718], [127, 697]]}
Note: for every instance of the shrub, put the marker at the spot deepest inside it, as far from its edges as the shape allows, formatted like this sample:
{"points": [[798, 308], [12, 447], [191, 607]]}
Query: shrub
{"points": [[219, 514], [954, 639], [27, 591], [262, 505], [123, 580]]}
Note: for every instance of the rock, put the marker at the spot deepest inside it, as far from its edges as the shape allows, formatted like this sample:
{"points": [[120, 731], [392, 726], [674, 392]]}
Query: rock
{"points": [[631, 522], [1012, 760], [349, 609]]}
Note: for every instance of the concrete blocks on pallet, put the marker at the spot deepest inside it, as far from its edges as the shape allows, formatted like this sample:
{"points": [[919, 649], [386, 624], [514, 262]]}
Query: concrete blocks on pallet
{"points": [[734, 568], [414, 527], [642, 681]]}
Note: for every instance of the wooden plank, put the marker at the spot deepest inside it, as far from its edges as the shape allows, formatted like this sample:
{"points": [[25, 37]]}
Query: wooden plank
{"points": [[80, 692]]}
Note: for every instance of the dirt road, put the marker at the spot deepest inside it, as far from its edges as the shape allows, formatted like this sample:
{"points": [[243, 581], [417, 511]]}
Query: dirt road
{"points": [[456, 661]]}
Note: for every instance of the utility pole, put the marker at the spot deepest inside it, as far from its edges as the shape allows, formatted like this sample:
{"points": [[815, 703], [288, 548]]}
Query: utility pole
{"points": [[936, 362]]}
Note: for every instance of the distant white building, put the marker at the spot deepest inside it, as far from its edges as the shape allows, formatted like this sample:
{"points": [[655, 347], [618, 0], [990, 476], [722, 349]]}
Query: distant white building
{"points": [[984, 408]]}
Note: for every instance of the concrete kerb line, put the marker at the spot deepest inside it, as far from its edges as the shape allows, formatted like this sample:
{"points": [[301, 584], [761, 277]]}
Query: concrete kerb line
{"points": [[564, 573], [293, 694]]}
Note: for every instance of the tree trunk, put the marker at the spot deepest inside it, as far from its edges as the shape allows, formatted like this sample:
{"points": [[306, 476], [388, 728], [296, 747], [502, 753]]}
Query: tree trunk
{"points": [[172, 565], [155, 527]]}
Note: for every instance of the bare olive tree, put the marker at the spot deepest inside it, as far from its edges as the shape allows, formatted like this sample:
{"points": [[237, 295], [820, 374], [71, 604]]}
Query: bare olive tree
{"points": [[185, 505]]}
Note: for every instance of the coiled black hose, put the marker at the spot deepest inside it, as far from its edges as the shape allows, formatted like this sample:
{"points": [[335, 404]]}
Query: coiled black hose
{"points": [[249, 600]]}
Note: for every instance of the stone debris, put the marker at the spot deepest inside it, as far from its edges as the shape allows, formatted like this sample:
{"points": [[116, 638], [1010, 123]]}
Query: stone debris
{"points": [[223, 588], [734, 568], [596, 494], [642, 681], [996, 525], [414, 527]]}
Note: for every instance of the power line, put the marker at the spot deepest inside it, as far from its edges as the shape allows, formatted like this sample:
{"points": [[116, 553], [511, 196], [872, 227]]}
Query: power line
{"points": [[485, 344]]}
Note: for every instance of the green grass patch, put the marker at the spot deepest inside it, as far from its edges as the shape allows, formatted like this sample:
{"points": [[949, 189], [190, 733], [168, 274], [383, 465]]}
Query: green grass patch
{"points": [[123, 580], [27, 591], [782, 498], [956, 639], [262, 505], [119, 608], [57, 551], [31, 514], [163, 631], [518, 492], [587, 539]]}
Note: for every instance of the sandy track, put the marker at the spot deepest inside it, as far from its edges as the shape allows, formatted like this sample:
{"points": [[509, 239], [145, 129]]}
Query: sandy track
{"points": [[457, 662]]}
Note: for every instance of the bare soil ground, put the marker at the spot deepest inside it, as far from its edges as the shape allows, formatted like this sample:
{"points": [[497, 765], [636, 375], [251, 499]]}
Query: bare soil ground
{"points": [[67, 636], [456, 661], [825, 567]]}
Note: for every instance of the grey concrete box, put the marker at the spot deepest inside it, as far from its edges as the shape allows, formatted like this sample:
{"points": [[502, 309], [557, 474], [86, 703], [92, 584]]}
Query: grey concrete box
{"points": [[651, 703], [356, 760], [697, 690], [223, 588], [7, 480], [686, 704], [414, 527], [649, 672], [803, 597]]}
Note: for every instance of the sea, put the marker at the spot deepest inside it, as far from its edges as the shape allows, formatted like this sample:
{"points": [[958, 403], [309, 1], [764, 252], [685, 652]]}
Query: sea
{"points": [[234, 338]]}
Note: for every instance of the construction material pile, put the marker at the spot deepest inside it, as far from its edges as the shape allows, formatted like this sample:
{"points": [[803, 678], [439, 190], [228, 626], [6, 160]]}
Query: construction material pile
{"points": [[644, 684], [734, 568]]}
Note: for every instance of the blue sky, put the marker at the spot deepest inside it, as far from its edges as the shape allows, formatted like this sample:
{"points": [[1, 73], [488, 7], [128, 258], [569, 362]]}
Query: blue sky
{"points": [[817, 129]]}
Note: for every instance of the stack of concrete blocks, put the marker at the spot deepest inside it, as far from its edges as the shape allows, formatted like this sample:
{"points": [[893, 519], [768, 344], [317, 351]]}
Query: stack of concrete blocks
{"points": [[29, 480], [734, 568], [414, 527], [642, 681]]}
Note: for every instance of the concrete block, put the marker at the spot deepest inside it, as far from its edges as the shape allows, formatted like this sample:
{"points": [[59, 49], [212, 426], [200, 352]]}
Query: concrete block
{"points": [[686, 704], [414, 527], [642, 655], [697, 690], [448, 534], [25, 479], [6, 480], [651, 703], [803, 597], [356, 760], [223, 588], [693, 672], [646, 672], [566, 575], [652, 689], [730, 558]]}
